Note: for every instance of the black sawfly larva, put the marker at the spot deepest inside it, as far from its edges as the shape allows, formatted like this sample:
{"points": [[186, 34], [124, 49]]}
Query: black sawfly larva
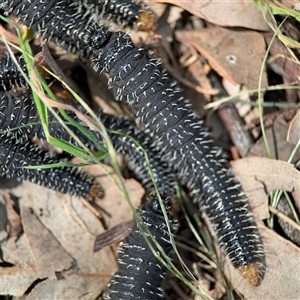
{"points": [[57, 21], [16, 154], [125, 13], [124, 143], [159, 105], [17, 109], [140, 272]]}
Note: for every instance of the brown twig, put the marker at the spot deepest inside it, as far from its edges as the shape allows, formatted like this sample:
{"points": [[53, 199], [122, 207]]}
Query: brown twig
{"points": [[113, 235], [284, 217], [234, 124]]}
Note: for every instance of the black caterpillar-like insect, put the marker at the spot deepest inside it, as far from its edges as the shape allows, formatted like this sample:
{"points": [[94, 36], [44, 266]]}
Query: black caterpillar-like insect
{"points": [[125, 13], [140, 272], [159, 105], [134, 155], [10, 75], [18, 110], [58, 21], [16, 154]]}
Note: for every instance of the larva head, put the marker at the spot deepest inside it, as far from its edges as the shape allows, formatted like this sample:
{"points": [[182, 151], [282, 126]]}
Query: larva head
{"points": [[155, 205], [95, 37], [252, 273], [112, 53], [152, 210], [96, 192], [98, 39], [146, 21]]}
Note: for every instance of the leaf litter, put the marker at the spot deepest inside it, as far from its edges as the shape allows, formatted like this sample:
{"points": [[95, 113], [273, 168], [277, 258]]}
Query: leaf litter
{"points": [[54, 255], [56, 249]]}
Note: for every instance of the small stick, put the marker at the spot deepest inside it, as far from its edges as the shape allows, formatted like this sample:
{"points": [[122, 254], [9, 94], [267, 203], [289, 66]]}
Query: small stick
{"points": [[284, 217]]}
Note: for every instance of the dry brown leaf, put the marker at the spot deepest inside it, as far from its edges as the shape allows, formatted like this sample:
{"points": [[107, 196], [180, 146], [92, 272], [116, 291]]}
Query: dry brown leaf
{"points": [[113, 235], [16, 280], [14, 219], [282, 275], [72, 224], [49, 255], [279, 147], [197, 73], [293, 133], [113, 201], [232, 13], [71, 286], [235, 55], [18, 252], [259, 176]]}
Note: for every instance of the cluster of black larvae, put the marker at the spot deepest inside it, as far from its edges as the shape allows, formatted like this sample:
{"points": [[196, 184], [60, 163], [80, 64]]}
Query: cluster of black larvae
{"points": [[158, 104], [130, 141], [17, 151]]}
